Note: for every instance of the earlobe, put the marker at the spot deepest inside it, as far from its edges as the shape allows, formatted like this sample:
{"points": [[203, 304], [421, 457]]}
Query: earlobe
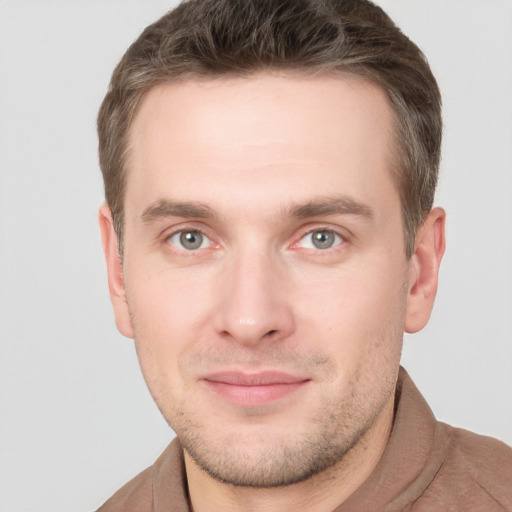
{"points": [[114, 272], [424, 270]]}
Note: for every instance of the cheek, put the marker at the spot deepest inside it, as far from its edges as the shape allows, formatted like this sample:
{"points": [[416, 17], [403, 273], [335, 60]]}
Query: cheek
{"points": [[169, 317], [356, 312], [166, 302]]}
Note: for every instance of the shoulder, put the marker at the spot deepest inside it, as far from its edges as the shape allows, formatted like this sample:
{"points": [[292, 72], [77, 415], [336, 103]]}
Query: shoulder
{"points": [[162, 483], [475, 475], [137, 494], [489, 453]]}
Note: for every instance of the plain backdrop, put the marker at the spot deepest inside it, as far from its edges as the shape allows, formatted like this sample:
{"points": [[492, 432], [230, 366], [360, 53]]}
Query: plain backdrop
{"points": [[76, 419]]}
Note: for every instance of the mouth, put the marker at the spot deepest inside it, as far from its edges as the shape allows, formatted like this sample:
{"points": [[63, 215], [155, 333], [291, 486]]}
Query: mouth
{"points": [[254, 389]]}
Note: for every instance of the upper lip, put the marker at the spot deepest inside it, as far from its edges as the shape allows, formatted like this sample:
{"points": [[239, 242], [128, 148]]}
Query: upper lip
{"points": [[264, 378]]}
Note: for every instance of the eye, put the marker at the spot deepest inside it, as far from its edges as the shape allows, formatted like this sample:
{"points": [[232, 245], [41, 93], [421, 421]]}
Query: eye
{"points": [[189, 240], [321, 239]]}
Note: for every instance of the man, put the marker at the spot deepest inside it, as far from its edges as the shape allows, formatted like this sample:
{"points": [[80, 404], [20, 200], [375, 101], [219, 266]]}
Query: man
{"points": [[270, 169]]}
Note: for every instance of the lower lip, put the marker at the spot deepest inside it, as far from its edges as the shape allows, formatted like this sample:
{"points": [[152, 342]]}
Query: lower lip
{"points": [[254, 395]]}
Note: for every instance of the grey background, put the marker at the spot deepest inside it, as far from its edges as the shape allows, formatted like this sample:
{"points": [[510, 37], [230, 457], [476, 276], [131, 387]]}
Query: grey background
{"points": [[76, 419]]}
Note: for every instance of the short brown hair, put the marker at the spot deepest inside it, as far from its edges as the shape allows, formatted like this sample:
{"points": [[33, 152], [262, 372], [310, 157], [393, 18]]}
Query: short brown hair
{"points": [[207, 38]]}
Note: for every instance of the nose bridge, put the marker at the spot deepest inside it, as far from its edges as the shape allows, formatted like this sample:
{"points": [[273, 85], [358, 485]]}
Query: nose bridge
{"points": [[253, 305]]}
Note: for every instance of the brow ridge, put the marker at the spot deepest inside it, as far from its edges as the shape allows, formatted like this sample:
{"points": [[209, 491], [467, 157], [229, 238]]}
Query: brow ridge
{"points": [[165, 208], [338, 205]]}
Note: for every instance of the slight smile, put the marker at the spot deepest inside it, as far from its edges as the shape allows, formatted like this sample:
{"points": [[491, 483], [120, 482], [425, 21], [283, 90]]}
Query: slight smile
{"points": [[254, 389]]}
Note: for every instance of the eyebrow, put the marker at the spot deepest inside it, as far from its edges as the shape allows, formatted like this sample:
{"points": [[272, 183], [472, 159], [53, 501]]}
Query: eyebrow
{"points": [[165, 208], [339, 205]]}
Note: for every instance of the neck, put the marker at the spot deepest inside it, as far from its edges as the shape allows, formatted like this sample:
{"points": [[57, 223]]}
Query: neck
{"points": [[322, 492]]}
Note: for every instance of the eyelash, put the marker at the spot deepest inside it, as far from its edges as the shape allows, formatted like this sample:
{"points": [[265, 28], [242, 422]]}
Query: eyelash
{"points": [[296, 244], [319, 229], [181, 231]]}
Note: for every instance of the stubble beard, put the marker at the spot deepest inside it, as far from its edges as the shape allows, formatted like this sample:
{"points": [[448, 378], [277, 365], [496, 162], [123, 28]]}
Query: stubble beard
{"points": [[263, 460], [266, 459]]}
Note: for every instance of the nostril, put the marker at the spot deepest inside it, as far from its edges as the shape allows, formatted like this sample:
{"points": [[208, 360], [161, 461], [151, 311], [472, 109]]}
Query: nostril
{"points": [[270, 333]]}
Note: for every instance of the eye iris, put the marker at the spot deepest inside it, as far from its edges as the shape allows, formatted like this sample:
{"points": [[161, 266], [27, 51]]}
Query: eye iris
{"points": [[323, 239], [191, 239]]}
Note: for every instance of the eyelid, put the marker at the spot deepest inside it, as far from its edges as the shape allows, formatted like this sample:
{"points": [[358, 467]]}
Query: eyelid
{"points": [[167, 234], [343, 234], [204, 239]]}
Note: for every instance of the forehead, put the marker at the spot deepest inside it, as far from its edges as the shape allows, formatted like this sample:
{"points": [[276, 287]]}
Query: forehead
{"points": [[265, 128]]}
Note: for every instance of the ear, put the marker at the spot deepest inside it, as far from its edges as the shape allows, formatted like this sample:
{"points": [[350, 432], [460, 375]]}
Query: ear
{"points": [[424, 266], [115, 272]]}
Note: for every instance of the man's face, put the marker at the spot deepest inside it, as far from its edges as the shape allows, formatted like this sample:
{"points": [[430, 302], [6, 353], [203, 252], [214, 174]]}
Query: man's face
{"points": [[264, 268]]}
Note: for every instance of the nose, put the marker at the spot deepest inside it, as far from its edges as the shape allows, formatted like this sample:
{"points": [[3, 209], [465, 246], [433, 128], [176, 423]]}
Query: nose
{"points": [[254, 306]]}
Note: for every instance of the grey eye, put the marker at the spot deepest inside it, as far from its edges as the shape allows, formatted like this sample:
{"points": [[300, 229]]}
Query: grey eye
{"points": [[189, 240], [321, 239]]}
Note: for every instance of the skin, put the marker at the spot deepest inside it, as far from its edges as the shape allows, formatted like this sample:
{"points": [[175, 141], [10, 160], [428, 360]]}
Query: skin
{"points": [[256, 165]]}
